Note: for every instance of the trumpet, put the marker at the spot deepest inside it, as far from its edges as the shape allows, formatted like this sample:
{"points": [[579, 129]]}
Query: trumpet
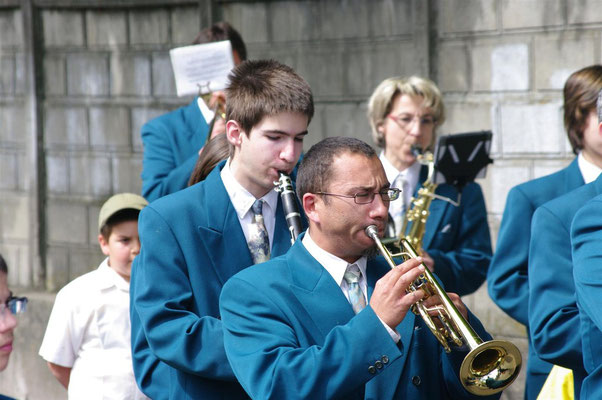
{"points": [[489, 367]]}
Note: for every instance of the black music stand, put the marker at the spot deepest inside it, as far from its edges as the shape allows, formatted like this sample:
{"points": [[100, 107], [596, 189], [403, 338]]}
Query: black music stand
{"points": [[460, 158]]}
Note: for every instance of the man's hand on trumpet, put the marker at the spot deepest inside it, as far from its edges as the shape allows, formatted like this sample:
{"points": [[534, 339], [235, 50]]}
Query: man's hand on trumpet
{"points": [[389, 300]]}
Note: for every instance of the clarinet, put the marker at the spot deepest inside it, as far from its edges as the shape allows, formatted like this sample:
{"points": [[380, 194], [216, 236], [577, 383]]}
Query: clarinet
{"points": [[284, 186]]}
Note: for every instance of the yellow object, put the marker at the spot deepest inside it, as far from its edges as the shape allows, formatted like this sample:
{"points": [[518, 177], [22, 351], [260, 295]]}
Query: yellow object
{"points": [[559, 385]]}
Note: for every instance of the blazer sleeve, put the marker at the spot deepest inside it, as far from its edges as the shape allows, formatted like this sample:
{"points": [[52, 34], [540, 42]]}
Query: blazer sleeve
{"points": [[162, 172], [152, 376], [164, 301], [553, 313], [271, 363], [586, 236], [507, 277], [463, 265]]}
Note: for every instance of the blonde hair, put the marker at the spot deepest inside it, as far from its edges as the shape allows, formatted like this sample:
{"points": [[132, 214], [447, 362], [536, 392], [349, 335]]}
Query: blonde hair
{"points": [[381, 101]]}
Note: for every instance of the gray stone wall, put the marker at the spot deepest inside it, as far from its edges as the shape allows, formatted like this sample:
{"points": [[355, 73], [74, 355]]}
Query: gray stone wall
{"points": [[79, 78]]}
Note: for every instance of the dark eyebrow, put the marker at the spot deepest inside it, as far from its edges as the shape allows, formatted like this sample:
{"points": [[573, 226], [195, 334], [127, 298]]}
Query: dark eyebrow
{"points": [[280, 132]]}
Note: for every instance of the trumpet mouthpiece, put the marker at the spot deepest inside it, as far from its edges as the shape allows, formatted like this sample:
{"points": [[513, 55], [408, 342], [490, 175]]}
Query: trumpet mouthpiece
{"points": [[371, 231]]}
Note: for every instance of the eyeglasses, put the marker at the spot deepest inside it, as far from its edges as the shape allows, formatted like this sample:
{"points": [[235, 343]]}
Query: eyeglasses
{"points": [[389, 194], [406, 119], [16, 305]]}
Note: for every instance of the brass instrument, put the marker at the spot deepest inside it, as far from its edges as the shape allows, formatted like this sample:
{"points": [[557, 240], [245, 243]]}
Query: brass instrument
{"points": [[490, 366], [284, 186]]}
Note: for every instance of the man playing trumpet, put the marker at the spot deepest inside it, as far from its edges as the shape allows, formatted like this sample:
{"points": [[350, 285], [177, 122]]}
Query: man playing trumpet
{"points": [[324, 321]]}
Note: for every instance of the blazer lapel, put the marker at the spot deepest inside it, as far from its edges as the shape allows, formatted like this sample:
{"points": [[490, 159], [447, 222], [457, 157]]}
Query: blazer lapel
{"points": [[223, 229], [195, 122], [324, 302], [282, 237], [573, 177]]}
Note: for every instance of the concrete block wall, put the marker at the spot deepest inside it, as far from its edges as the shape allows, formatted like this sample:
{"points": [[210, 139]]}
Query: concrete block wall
{"points": [[105, 69], [106, 72]]}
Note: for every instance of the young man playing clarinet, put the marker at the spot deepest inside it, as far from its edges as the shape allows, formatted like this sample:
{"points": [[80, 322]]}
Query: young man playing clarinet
{"points": [[194, 240]]}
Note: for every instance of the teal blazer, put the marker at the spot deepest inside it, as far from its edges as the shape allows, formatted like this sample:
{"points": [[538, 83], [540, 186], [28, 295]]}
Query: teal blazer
{"points": [[553, 312], [586, 236], [457, 238], [192, 243], [290, 333], [171, 148], [507, 279]]}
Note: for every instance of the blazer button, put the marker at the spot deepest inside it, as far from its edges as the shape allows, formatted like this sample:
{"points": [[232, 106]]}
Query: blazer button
{"points": [[372, 370], [416, 380], [384, 359], [378, 364]]}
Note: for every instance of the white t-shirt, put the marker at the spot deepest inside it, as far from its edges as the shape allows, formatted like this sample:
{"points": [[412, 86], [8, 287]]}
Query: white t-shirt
{"points": [[89, 331]]}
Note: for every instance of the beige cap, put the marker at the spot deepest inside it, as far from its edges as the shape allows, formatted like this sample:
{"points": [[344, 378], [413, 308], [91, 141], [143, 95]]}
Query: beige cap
{"points": [[118, 202]]}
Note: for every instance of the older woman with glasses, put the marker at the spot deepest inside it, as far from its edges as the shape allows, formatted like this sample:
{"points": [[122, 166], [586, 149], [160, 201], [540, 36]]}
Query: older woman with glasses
{"points": [[404, 113]]}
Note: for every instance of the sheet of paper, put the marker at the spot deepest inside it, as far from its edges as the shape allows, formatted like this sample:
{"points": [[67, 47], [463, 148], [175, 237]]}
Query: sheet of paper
{"points": [[201, 68]]}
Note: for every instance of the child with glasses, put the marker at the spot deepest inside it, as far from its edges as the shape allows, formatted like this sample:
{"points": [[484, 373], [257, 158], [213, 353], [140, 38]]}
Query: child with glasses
{"points": [[87, 340]]}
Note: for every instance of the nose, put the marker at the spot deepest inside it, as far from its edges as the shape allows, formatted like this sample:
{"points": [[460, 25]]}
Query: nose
{"points": [[415, 127], [8, 321], [136, 246], [288, 151], [380, 208]]}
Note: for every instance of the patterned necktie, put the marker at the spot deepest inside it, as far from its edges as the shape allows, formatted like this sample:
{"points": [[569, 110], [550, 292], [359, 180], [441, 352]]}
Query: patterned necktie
{"points": [[259, 242], [356, 296], [397, 208]]}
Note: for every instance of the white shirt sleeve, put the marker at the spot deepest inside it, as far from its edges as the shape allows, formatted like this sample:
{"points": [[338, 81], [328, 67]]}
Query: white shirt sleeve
{"points": [[63, 335]]}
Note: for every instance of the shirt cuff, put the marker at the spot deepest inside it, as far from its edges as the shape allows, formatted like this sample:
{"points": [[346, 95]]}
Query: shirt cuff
{"points": [[394, 335]]}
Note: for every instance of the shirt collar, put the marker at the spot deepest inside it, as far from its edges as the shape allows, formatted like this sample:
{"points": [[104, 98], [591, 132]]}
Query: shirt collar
{"points": [[335, 266], [410, 174], [588, 170], [208, 114], [110, 278], [242, 200]]}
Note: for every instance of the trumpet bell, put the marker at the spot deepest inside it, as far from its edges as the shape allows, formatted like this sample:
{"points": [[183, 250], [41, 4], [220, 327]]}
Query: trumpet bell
{"points": [[490, 367]]}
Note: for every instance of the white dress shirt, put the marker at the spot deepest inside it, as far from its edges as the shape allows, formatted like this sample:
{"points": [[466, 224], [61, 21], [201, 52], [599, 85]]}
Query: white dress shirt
{"points": [[336, 267], [242, 201], [588, 170]]}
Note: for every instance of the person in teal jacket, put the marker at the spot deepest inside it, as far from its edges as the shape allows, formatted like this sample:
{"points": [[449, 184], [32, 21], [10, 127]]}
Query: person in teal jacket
{"points": [[507, 279], [296, 328], [553, 312], [404, 113], [194, 240], [586, 236], [172, 141]]}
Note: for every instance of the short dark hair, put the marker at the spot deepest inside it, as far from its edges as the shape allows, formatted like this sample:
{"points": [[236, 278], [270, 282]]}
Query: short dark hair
{"points": [[260, 88], [580, 96], [3, 266], [315, 171], [223, 31], [127, 214]]}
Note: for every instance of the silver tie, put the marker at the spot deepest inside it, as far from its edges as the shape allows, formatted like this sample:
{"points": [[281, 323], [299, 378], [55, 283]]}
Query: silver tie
{"points": [[356, 296]]}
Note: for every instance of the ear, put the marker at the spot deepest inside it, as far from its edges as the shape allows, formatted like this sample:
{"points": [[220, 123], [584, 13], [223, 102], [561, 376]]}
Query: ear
{"points": [[310, 206], [104, 245], [600, 128], [234, 133]]}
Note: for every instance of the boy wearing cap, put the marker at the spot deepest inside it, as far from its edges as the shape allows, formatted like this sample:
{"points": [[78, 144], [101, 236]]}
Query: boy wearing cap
{"points": [[87, 340]]}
